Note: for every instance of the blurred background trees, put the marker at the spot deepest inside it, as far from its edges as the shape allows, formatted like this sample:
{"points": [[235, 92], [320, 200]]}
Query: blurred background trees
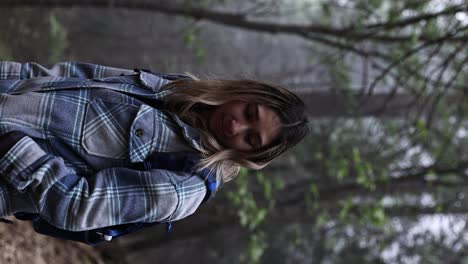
{"points": [[383, 176]]}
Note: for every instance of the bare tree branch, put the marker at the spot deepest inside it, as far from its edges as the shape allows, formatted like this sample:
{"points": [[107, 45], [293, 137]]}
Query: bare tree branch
{"points": [[240, 20], [449, 11]]}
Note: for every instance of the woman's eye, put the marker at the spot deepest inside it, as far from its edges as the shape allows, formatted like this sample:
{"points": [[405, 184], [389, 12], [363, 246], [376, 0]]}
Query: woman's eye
{"points": [[250, 111], [248, 140], [253, 112], [248, 114]]}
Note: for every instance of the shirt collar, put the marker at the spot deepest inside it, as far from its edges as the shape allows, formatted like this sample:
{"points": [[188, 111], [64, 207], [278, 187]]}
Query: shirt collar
{"points": [[191, 135]]}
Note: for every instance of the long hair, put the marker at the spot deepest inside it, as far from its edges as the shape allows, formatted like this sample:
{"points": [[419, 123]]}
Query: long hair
{"points": [[189, 99]]}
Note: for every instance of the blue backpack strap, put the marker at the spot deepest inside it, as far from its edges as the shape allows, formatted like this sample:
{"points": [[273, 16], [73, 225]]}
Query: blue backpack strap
{"points": [[212, 184]]}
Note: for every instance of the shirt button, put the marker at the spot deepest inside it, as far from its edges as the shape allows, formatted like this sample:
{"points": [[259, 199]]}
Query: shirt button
{"points": [[139, 132]]}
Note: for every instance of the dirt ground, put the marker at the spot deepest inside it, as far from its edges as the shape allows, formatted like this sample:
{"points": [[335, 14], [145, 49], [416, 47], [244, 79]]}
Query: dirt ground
{"points": [[20, 244]]}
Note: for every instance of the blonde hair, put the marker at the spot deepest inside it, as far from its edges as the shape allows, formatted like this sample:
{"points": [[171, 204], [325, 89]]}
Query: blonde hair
{"points": [[190, 98]]}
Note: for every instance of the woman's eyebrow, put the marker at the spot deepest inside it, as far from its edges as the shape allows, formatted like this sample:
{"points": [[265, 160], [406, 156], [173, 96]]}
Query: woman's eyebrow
{"points": [[256, 111]]}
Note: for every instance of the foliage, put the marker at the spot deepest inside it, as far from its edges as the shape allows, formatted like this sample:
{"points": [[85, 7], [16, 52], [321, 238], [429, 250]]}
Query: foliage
{"points": [[25, 28], [252, 211], [192, 39], [5, 51], [58, 35]]}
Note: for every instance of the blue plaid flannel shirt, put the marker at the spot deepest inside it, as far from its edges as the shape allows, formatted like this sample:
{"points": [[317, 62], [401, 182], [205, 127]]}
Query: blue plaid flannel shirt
{"points": [[85, 124]]}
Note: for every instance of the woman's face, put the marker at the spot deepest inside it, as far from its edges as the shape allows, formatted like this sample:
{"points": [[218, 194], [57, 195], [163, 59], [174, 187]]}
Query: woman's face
{"points": [[244, 126]]}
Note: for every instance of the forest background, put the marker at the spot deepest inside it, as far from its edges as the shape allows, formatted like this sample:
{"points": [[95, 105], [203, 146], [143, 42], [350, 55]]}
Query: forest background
{"points": [[381, 179]]}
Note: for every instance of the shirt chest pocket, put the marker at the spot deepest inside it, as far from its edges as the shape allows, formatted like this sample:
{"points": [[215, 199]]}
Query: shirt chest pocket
{"points": [[106, 129]]}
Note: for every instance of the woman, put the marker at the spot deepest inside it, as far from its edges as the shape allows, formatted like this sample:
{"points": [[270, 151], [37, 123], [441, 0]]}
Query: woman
{"points": [[71, 135]]}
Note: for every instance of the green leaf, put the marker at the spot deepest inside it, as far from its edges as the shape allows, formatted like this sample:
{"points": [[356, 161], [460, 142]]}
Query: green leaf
{"points": [[314, 190], [278, 183], [378, 216], [326, 9], [344, 212], [431, 29], [356, 155], [322, 218], [59, 41]]}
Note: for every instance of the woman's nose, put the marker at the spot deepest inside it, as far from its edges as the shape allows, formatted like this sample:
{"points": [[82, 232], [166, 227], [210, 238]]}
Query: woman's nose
{"points": [[237, 127]]}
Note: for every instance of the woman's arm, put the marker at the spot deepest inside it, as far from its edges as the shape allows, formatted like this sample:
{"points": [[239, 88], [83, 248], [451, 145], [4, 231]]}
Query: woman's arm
{"points": [[16, 70], [110, 197]]}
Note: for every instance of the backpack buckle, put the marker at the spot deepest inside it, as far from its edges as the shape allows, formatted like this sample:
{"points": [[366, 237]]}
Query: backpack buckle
{"points": [[105, 237]]}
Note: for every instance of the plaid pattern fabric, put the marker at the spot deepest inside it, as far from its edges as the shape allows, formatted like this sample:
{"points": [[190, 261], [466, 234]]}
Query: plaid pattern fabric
{"points": [[85, 125]]}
